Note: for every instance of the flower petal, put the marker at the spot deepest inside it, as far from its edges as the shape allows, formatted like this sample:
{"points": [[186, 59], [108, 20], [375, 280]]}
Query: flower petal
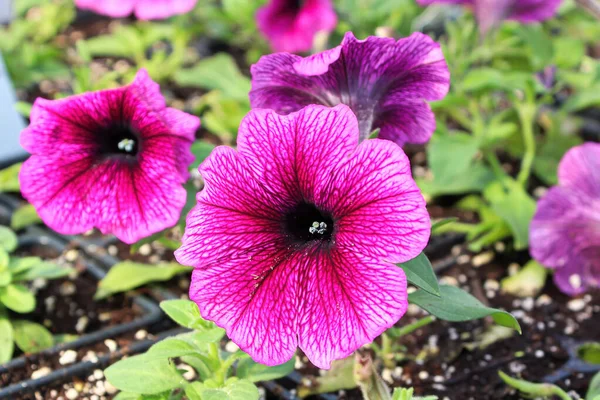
{"points": [[291, 27], [381, 211], [565, 223], [296, 154], [581, 273], [161, 9], [580, 169], [255, 299], [347, 301], [111, 8], [385, 82]]}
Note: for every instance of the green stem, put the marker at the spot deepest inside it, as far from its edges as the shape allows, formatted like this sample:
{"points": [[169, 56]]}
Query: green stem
{"points": [[405, 330], [497, 169], [526, 116]]}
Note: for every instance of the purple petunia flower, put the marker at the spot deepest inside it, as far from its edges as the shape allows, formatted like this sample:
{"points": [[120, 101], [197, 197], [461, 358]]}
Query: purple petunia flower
{"points": [[143, 9], [295, 235], [114, 159], [386, 83], [565, 231], [291, 25], [489, 13]]}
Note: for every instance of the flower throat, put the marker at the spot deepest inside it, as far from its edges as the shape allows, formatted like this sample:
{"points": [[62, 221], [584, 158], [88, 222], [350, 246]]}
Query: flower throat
{"points": [[305, 223], [119, 139]]}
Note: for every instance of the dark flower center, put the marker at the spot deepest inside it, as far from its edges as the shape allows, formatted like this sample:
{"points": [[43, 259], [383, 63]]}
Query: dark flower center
{"points": [[119, 139], [306, 222]]}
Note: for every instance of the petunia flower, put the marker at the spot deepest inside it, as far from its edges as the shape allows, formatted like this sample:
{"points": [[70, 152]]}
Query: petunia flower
{"points": [[114, 159], [565, 231], [295, 236], [143, 9], [387, 83], [490, 13], [291, 25]]}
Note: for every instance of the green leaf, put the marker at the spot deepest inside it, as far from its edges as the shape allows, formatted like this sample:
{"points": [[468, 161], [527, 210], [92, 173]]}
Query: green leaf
{"points": [[9, 178], [46, 270], [594, 390], [201, 149], [5, 277], [254, 372], [589, 352], [6, 340], [8, 239], [128, 275], [419, 272], [568, 52], [551, 151], [218, 72], [17, 298], [234, 389], [185, 313], [4, 259], [128, 396], [144, 375], [24, 216], [457, 305], [19, 264], [528, 282], [515, 206], [539, 43], [171, 348], [585, 98], [32, 337]]}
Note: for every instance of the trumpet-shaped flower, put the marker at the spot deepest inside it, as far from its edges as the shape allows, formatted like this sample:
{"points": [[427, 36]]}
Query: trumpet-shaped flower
{"points": [[387, 83], [114, 159], [565, 231], [143, 9], [291, 25], [295, 236], [489, 13]]}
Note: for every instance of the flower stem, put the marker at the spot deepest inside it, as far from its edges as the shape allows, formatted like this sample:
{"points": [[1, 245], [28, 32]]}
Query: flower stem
{"points": [[526, 115], [410, 328]]}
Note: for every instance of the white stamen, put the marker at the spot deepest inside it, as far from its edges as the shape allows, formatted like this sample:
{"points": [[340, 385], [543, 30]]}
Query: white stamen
{"points": [[318, 227], [575, 281], [126, 145]]}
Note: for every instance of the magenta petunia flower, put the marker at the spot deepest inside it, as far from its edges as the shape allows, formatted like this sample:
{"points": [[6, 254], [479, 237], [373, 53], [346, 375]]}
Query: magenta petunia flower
{"points": [[114, 159], [143, 9], [386, 83], [295, 235], [291, 25], [565, 231], [489, 13]]}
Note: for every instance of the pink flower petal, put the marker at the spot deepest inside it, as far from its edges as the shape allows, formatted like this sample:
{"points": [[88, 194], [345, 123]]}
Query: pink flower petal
{"points": [[76, 182], [384, 218], [291, 26], [302, 154], [580, 169], [348, 300]]}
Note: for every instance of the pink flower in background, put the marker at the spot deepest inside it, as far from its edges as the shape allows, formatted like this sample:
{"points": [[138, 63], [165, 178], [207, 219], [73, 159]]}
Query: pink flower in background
{"points": [[291, 25], [143, 9], [490, 13], [295, 236], [565, 231], [114, 159], [387, 83]]}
